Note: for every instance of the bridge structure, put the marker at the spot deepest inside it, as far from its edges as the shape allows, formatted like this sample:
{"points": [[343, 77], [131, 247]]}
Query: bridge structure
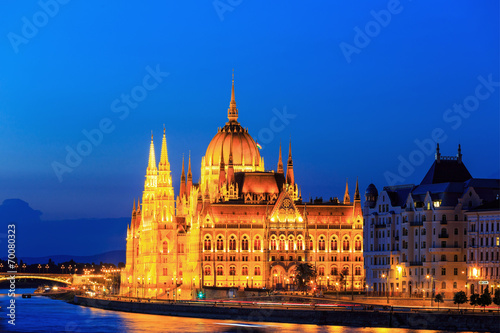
{"points": [[62, 278]]}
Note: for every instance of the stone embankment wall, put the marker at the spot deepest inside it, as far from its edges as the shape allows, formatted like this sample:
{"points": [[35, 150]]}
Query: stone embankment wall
{"points": [[357, 318]]}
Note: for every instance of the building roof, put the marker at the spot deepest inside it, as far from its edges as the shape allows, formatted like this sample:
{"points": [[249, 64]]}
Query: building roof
{"points": [[489, 206], [446, 171]]}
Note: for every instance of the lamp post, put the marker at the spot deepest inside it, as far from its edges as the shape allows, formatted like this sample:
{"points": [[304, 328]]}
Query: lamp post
{"points": [[47, 268], [24, 268], [337, 288], [39, 268], [386, 285], [432, 288], [1, 266]]}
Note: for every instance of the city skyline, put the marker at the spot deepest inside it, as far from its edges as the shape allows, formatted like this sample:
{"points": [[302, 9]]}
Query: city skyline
{"points": [[352, 103]]}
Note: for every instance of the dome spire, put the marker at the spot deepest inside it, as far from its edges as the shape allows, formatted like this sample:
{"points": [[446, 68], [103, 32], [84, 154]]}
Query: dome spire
{"points": [[232, 112], [152, 159], [280, 162]]}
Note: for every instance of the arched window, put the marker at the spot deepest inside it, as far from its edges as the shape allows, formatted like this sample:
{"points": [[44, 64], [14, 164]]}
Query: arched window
{"points": [[311, 244], [290, 243], [273, 242], [232, 243], [321, 244], [300, 243], [208, 244], [321, 271], [244, 270], [220, 243], [357, 244], [333, 244], [256, 243], [220, 270], [443, 285], [345, 244], [232, 270], [282, 244], [334, 270], [455, 285], [208, 270], [165, 247], [244, 243], [357, 270], [256, 270], [345, 270]]}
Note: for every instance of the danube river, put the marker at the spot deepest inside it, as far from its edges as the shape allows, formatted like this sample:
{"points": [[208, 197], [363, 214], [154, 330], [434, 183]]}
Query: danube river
{"points": [[41, 314]]}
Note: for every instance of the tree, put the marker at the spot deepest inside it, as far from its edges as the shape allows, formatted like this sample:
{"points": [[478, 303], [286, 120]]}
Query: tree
{"points": [[439, 299], [496, 299], [460, 297], [343, 273], [485, 299], [474, 300], [304, 273]]}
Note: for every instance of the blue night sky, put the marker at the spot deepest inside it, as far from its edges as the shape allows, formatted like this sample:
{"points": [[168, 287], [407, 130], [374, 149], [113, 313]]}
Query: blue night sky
{"points": [[356, 101]]}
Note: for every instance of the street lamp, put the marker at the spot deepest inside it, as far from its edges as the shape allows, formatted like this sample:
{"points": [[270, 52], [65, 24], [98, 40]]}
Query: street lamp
{"points": [[386, 285], [47, 268], [62, 268], [432, 288], [24, 268], [1, 266], [39, 267]]}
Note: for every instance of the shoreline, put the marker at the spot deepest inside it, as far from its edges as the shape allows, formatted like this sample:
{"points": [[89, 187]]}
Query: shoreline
{"points": [[317, 316]]}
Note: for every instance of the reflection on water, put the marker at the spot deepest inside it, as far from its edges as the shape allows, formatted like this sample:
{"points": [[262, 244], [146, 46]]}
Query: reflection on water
{"points": [[41, 314]]}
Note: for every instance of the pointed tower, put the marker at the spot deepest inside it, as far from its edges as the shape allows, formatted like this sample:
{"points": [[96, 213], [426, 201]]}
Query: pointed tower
{"points": [[438, 154], [280, 163], [347, 199], [182, 191], [459, 155], [230, 168], [232, 112], [165, 193], [151, 171], [222, 171], [290, 179], [357, 197], [189, 182]]}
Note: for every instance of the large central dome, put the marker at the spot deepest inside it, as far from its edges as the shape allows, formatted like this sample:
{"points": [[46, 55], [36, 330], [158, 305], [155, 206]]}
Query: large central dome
{"points": [[235, 139]]}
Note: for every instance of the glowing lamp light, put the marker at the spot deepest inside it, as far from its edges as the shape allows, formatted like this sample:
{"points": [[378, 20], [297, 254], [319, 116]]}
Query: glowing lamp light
{"points": [[300, 219]]}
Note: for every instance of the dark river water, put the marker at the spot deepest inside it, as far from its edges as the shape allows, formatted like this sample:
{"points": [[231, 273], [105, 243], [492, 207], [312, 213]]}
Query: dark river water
{"points": [[41, 314]]}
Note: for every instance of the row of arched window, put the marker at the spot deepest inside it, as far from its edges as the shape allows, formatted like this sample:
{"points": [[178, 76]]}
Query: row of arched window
{"points": [[281, 243], [219, 270]]}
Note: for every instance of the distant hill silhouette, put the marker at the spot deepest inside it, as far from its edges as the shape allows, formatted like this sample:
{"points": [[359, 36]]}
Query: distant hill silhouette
{"points": [[111, 257], [39, 238]]}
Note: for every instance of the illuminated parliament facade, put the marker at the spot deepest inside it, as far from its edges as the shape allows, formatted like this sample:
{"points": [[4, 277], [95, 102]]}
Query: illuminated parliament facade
{"points": [[239, 227]]}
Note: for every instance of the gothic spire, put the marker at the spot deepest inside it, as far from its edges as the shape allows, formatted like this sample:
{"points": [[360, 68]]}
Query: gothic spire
{"points": [[152, 158], [290, 179], [356, 193], [232, 112], [183, 180], [347, 199], [280, 162], [164, 164]]}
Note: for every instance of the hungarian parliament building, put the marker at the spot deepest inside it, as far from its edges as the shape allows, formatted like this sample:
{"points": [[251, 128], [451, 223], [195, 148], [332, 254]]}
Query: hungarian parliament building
{"points": [[240, 227]]}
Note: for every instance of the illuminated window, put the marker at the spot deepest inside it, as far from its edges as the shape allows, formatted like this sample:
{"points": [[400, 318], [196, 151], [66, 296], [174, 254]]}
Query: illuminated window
{"points": [[345, 244], [220, 270], [256, 270], [321, 271], [333, 244], [220, 243], [232, 270], [273, 242], [207, 244], [282, 244], [357, 270], [311, 244], [244, 270], [357, 244], [208, 270], [300, 243], [244, 243], [256, 243], [232, 243], [321, 244], [334, 270]]}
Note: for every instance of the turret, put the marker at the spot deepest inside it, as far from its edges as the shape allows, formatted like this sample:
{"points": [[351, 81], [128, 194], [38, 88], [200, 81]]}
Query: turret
{"points": [[459, 155], [371, 196], [232, 112], [222, 171], [230, 168], [438, 154]]}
